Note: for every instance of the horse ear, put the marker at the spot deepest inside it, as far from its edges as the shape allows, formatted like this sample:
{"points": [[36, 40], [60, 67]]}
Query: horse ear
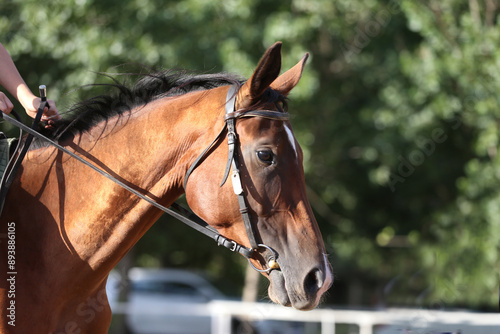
{"points": [[285, 82], [266, 72]]}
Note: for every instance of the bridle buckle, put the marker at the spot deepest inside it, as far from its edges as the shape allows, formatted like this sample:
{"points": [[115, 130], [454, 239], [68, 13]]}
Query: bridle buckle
{"points": [[234, 246]]}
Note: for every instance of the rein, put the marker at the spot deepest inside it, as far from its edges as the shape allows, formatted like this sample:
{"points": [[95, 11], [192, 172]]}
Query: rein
{"points": [[21, 148], [175, 210]]}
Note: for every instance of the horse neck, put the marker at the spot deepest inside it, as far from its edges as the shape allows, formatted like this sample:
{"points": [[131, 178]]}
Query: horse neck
{"points": [[150, 150]]}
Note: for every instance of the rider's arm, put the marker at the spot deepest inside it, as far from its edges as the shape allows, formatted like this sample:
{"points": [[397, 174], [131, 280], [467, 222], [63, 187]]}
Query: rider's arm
{"points": [[14, 83]]}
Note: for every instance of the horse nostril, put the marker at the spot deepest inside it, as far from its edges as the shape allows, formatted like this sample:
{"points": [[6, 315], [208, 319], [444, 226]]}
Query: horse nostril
{"points": [[314, 281]]}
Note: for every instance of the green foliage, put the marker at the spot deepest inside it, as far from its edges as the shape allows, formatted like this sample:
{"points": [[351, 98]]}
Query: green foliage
{"points": [[396, 112]]}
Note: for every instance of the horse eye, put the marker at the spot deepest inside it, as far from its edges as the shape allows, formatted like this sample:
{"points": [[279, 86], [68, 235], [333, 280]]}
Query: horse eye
{"points": [[265, 156]]}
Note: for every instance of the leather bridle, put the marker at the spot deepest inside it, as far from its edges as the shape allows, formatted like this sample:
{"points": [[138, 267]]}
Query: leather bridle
{"points": [[183, 214], [232, 162]]}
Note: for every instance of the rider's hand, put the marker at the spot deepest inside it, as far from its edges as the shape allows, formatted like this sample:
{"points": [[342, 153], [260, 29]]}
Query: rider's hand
{"points": [[5, 104], [50, 114]]}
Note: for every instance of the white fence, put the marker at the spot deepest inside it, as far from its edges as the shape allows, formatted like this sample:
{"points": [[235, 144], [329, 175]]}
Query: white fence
{"points": [[396, 321], [403, 321]]}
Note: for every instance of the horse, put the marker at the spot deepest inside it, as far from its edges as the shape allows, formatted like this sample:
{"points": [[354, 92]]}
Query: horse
{"points": [[64, 227]]}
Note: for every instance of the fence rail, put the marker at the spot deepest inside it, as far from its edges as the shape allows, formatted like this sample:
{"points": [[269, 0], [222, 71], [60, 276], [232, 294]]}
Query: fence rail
{"points": [[401, 321], [418, 320]]}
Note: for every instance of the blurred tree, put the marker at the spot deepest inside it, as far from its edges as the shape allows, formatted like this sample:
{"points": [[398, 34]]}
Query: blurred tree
{"points": [[396, 112]]}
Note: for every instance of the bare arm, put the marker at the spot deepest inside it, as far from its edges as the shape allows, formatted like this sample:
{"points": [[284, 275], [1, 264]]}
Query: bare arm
{"points": [[14, 84]]}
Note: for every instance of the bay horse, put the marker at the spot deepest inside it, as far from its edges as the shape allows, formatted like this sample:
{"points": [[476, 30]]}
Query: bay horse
{"points": [[64, 227]]}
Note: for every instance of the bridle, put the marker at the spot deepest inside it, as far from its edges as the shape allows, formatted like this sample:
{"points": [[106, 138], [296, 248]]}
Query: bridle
{"points": [[183, 214], [230, 118]]}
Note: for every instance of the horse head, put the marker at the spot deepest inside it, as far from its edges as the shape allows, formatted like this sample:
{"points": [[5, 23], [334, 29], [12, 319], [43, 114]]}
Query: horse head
{"points": [[272, 181]]}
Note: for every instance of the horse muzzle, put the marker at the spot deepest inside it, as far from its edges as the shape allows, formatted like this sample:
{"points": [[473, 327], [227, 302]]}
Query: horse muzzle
{"points": [[302, 292]]}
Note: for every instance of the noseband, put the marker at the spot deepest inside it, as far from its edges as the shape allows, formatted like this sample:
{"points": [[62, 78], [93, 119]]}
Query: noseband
{"points": [[232, 162]]}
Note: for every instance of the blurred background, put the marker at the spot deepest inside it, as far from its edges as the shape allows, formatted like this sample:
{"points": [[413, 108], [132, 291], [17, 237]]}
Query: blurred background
{"points": [[398, 114]]}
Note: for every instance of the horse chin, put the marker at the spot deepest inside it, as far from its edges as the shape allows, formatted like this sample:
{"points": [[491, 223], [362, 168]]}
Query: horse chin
{"points": [[277, 288]]}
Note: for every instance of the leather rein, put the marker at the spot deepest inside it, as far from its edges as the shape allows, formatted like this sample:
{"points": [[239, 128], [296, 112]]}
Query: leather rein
{"points": [[177, 211]]}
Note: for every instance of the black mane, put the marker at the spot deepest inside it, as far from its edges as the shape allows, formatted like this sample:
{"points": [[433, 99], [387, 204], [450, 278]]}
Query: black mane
{"points": [[86, 114]]}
